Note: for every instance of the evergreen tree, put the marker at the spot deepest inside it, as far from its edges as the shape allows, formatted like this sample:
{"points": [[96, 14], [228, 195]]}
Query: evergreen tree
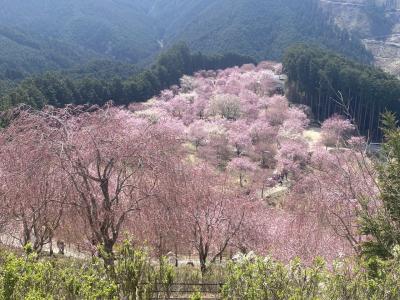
{"points": [[383, 225]]}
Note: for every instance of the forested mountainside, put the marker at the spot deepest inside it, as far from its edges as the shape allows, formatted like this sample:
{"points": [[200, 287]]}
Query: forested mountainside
{"points": [[377, 22], [22, 52], [262, 29], [114, 29], [45, 35]]}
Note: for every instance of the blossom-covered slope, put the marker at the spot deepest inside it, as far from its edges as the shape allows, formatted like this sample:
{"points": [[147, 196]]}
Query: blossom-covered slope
{"points": [[221, 164], [239, 122]]}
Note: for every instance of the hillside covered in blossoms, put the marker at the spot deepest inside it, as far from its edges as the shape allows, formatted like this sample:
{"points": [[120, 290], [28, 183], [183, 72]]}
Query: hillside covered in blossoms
{"points": [[297, 184], [213, 173], [249, 173], [199, 150]]}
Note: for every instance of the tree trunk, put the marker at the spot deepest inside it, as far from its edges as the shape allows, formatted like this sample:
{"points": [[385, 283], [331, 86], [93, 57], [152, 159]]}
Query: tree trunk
{"points": [[203, 260], [176, 255], [107, 253], [203, 265], [51, 247]]}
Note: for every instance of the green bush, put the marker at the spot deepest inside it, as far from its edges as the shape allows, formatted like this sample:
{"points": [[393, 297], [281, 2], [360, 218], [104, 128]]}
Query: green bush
{"points": [[268, 279], [33, 278], [24, 278], [264, 279], [135, 277], [132, 277]]}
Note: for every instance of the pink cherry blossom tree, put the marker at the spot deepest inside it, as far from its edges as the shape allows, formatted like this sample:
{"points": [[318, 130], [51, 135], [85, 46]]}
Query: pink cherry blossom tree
{"points": [[336, 130], [217, 152], [211, 215], [276, 110], [113, 161], [34, 189], [239, 137], [336, 184], [225, 105], [243, 166], [295, 123], [292, 156], [264, 138], [158, 222], [197, 133]]}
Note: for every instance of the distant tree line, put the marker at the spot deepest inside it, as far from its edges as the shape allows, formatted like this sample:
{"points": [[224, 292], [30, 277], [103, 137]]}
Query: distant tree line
{"points": [[331, 84], [58, 89]]}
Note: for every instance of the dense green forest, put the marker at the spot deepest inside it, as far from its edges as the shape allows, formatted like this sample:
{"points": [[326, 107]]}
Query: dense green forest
{"points": [[330, 83], [100, 82], [262, 29], [38, 36], [22, 53]]}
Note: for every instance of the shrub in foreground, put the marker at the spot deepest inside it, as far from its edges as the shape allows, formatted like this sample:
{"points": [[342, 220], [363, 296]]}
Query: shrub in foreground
{"points": [[133, 276], [261, 279]]}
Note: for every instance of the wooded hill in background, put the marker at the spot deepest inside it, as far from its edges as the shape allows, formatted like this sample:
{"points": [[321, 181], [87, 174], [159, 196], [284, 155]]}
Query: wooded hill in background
{"points": [[36, 36], [260, 28]]}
